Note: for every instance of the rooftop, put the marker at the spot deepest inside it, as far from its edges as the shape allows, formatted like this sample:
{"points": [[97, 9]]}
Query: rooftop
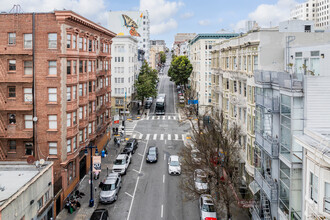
{"points": [[213, 36], [15, 175]]}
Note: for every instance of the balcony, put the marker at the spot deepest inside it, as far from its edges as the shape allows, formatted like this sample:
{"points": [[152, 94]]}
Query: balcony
{"points": [[14, 133], [83, 100], [267, 184], [290, 81], [269, 144], [108, 88], [262, 77], [92, 117], [91, 96], [83, 77], [92, 76], [71, 79], [13, 105], [72, 131], [72, 105], [83, 123], [100, 91], [100, 110]]}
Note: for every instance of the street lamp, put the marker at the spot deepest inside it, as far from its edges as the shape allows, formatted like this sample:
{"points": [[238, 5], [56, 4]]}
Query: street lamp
{"points": [[91, 201], [125, 112]]}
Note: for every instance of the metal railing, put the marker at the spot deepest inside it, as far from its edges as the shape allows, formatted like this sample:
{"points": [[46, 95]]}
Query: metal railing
{"points": [[267, 184]]}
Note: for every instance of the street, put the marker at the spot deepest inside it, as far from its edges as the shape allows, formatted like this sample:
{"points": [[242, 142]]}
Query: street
{"points": [[148, 191]]}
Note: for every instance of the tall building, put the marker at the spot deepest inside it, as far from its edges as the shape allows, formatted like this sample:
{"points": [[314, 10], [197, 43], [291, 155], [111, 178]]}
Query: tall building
{"points": [[124, 69], [313, 10], [132, 23], [200, 57], [54, 91]]}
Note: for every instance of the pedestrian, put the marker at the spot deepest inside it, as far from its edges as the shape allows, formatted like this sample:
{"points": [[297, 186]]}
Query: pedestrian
{"points": [[115, 140], [118, 142]]}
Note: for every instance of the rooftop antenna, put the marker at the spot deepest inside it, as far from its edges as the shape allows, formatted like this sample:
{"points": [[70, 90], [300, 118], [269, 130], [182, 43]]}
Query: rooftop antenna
{"points": [[16, 9]]}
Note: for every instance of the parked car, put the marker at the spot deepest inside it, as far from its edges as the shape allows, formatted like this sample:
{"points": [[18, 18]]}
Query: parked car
{"points": [[121, 163], [131, 146], [100, 214], [181, 99], [206, 207], [174, 165], [195, 156], [148, 103], [200, 179], [152, 154], [110, 188]]}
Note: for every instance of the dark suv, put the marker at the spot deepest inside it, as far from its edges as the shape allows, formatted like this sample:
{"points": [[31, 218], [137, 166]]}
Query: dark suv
{"points": [[131, 146], [100, 214]]}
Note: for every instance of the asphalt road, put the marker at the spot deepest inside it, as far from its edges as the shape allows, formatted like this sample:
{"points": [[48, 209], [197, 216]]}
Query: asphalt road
{"points": [[148, 191]]}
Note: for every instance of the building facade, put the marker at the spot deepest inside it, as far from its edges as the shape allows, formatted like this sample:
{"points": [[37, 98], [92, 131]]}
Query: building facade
{"points": [[124, 69], [179, 40], [200, 57], [55, 91], [132, 23], [313, 10], [156, 46], [26, 190]]}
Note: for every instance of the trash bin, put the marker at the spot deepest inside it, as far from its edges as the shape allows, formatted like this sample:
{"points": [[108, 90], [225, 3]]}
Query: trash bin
{"points": [[102, 153]]}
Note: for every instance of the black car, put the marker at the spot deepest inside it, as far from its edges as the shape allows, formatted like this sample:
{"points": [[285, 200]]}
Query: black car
{"points": [[131, 146], [152, 154], [148, 104], [100, 214]]}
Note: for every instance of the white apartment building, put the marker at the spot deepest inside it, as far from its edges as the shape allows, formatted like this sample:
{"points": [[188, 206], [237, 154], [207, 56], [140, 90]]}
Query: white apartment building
{"points": [[200, 57], [132, 23], [314, 10], [124, 69]]}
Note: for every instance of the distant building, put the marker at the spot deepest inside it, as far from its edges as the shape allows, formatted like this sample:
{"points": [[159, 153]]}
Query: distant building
{"points": [[132, 23], [26, 190], [124, 69], [54, 91], [180, 39], [313, 10], [156, 47], [249, 25]]}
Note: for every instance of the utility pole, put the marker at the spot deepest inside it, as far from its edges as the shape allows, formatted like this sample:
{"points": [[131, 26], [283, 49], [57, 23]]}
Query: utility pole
{"points": [[125, 114], [197, 105]]}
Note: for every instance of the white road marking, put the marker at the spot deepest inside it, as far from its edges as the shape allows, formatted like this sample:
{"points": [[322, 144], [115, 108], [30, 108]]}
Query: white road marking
{"points": [[137, 182], [182, 136], [140, 154], [162, 211], [153, 117], [162, 137], [164, 156], [141, 135], [169, 137], [174, 118], [164, 117], [147, 137], [163, 178], [155, 136], [128, 194], [176, 137], [135, 170], [134, 135]]}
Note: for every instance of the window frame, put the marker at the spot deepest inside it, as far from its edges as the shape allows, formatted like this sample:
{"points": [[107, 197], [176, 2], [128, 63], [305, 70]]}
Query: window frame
{"points": [[12, 64], [28, 121], [52, 119], [53, 67], [12, 94], [52, 148], [52, 43], [26, 94], [27, 43], [9, 38], [28, 64], [52, 96]]}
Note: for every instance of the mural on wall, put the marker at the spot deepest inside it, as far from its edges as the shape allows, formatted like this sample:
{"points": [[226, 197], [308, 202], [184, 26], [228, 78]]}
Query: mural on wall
{"points": [[130, 23]]}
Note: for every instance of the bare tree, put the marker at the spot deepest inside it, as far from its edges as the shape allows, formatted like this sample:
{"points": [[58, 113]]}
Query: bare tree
{"points": [[214, 148]]}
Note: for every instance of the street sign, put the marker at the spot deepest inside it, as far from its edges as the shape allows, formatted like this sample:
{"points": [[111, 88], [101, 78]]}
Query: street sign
{"points": [[116, 119], [192, 102]]}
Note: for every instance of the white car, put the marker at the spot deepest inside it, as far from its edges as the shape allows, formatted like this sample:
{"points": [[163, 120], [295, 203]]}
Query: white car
{"points": [[174, 165], [121, 163], [195, 156], [181, 99], [206, 207], [200, 179]]}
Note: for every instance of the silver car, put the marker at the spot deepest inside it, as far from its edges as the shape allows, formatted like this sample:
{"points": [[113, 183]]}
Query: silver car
{"points": [[206, 207], [174, 165], [201, 183], [110, 188], [121, 163]]}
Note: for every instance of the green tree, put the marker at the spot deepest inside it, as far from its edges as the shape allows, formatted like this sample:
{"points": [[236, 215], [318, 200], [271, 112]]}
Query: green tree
{"points": [[162, 57], [146, 83], [180, 70]]}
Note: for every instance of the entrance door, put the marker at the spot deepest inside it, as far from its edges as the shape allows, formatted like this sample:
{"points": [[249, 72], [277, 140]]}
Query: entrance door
{"points": [[82, 168]]}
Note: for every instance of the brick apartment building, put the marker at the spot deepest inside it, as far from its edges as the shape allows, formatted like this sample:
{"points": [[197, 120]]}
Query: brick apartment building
{"points": [[55, 93]]}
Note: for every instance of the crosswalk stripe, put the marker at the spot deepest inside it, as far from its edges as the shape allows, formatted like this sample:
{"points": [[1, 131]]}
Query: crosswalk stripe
{"points": [[155, 136], [141, 135], [162, 137], [164, 117], [174, 118], [182, 137], [134, 135], [169, 137], [147, 137], [175, 136], [169, 117], [153, 117]]}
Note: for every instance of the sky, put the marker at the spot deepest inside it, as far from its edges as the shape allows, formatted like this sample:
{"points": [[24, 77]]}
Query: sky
{"points": [[168, 17]]}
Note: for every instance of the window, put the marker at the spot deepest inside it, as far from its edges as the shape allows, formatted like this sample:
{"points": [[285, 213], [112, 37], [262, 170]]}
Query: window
{"points": [[28, 121], [90, 45], [80, 66], [40, 203], [80, 112], [68, 145], [12, 119], [74, 92], [89, 128], [52, 120], [11, 38], [314, 186], [85, 44], [68, 93], [74, 41], [27, 41], [52, 41], [80, 43], [74, 144], [52, 148], [80, 136], [74, 118], [27, 94], [52, 94], [12, 146], [12, 92], [12, 65], [68, 67], [80, 89], [68, 119], [28, 148], [52, 68], [74, 69], [327, 197], [46, 196], [27, 67], [89, 66], [68, 41]]}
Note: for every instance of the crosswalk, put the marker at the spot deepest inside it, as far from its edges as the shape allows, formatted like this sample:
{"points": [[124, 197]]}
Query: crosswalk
{"points": [[162, 137], [130, 126], [160, 118]]}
